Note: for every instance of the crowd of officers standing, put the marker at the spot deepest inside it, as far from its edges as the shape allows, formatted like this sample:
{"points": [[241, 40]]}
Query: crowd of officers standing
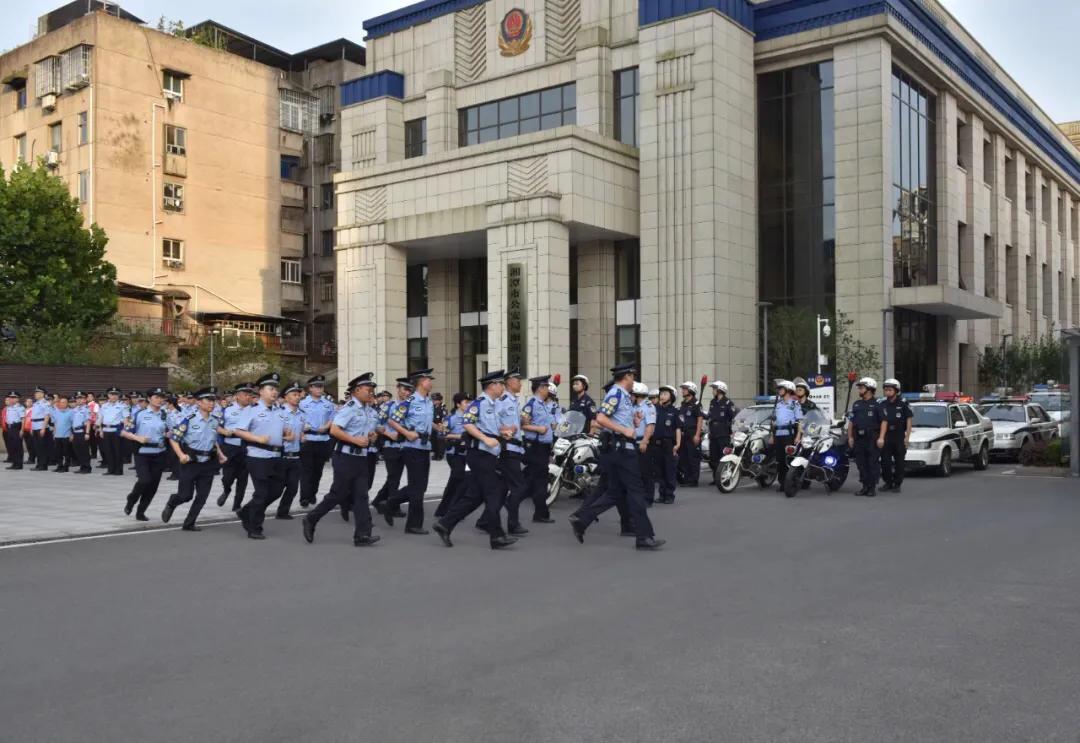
{"points": [[497, 449]]}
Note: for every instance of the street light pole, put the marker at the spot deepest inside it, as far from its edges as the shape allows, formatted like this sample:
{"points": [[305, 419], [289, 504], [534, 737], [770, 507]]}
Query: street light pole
{"points": [[212, 333]]}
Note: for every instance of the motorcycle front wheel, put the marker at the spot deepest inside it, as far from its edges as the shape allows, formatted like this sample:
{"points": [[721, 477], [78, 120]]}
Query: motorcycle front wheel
{"points": [[793, 481], [767, 479], [727, 476], [837, 480], [554, 485]]}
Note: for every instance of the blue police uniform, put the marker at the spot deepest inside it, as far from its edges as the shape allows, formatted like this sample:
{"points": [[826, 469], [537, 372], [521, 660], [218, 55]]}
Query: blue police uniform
{"points": [[63, 423], [511, 459], [235, 472], [786, 417], [316, 448], [417, 414], [291, 467], [722, 412], [662, 453], [455, 458], [14, 413], [865, 421], [149, 457], [263, 460], [485, 484], [619, 457], [350, 463], [645, 414], [81, 434], [111, 422], [537, 412], [391, 454], [40, 438], [196, 434], [896, 413]]}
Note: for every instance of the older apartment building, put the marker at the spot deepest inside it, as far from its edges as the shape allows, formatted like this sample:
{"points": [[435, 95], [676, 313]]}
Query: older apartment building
{"points": [[564, 184], [209, 167]]}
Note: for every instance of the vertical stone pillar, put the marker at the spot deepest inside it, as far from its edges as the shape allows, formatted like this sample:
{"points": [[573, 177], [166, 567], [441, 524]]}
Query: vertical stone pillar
{"points": [[529, 231], [951, 192], [595, 308], [595, 104], [698, 201], [371, 307], [444, 324], [442, 120], [864, 273], [374, 132]]}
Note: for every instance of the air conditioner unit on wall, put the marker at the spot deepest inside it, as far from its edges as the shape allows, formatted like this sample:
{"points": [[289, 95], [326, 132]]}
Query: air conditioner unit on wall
{"points": [[52, 159], [170, 95], [48, 102]]}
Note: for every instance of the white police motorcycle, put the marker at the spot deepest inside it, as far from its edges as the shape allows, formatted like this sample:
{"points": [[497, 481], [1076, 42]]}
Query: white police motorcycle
{"points": [[749, 451], [575, 462], [821, 456]]}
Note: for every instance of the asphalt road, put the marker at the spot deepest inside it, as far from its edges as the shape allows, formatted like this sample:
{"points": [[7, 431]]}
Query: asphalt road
{"points": [[939, 615]]}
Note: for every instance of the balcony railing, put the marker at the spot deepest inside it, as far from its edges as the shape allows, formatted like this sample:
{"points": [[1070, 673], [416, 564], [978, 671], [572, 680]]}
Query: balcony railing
{"points": [[188, 334]]}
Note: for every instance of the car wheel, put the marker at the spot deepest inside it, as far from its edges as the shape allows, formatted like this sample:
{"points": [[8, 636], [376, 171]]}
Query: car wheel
{"points": [[945, 468], [982, 459]]}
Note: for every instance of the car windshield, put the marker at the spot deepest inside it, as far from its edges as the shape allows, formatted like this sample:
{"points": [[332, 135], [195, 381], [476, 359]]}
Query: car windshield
{"points": [[815, 423], [572, 424], [930, 416], [1052, 403], [1007, 413], [750, 417]]}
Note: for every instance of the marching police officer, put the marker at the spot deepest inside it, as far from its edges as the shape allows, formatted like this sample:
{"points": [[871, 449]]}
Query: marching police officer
{"points": [[263, 430], [413, 420], [235, 469], [316, 447], [455, 453], [194, 441], [620, 459], [722, 412], [866, 435], [391, 449], [354, 427], [786, 417], [581, 402], [898, 421], [483, 425], [664, 445], [146, 431], [512, 455], [62, 418], [295, 424], [538, 425], [114, 412], [14, 413], [690, 422]]}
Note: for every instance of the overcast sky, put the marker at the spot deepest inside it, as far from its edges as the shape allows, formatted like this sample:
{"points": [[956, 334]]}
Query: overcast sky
{"points": [[1034, 41]]}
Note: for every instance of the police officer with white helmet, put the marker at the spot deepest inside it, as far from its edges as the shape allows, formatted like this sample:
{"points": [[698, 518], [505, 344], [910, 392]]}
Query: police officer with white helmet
{"points": [[866, 435]]}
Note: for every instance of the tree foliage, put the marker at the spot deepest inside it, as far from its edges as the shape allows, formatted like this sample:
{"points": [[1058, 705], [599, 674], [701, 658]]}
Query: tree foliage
{"points": [[65, 345], [793, 345], [53, 270], [242, 361], [1024, 362], [202, 37]]}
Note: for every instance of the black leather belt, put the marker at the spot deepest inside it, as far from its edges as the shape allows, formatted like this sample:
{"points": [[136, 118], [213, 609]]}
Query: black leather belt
{"points": [[197, 452], [264, 447], [290, 456], [36, 420]]}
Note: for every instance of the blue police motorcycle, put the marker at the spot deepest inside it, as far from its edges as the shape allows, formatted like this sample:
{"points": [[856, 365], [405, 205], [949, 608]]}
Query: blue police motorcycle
{"points": [[822, 456]]}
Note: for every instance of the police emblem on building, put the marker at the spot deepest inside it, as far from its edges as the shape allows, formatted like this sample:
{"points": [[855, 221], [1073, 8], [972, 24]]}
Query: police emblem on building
{"points": [[515, 33]]}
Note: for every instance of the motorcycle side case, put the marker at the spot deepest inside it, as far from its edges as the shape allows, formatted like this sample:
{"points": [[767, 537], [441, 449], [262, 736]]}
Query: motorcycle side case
{"points": [[798, 462]]}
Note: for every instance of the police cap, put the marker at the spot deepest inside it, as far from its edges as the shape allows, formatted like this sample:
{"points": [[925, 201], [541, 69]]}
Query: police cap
{"points": [[273, 379], [294, 386], [243, 387], [42, 390], [367, 379], [317, 381], [405, 382], [497, 376], [422, 374], [112, 391], [206, 393], [13, 393], [155, 392], [622, 370]]}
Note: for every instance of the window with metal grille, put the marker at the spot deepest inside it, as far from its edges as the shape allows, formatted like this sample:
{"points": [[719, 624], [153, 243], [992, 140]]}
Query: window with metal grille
{"points": [[328, 288], [47, 76], [522, 114], [75, 67], [173, 197], [175, 140], [325, 94], [297, 112], [290, 270]]}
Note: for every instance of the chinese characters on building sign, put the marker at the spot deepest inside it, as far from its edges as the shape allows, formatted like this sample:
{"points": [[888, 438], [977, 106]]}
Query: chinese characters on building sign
{"points": [[515, 316]]}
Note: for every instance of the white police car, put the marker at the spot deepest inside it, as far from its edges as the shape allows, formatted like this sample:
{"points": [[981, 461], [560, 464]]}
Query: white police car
{"points": [[944, 433], [1018, 425], [1058, 405]]}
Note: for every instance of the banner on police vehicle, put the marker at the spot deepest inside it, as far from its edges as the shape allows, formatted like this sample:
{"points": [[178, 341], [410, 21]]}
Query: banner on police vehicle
{"points": [[823, 392]]}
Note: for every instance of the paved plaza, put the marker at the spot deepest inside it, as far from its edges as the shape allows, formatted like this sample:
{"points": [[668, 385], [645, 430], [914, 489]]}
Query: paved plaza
{"points": [[949, 613]]}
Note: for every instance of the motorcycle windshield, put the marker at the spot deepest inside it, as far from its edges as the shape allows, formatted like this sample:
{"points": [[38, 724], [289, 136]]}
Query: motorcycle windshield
{"points": [[748, 418], [572, 424], [815, 423]]}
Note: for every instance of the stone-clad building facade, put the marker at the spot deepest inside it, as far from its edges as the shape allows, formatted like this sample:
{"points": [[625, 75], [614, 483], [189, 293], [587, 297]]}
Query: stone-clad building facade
{"points": [[567, 184]]}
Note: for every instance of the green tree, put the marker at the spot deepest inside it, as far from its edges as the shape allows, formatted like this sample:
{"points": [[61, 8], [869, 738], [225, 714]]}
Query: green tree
{"points": [[793, 344], [53, 270], [66, 345], [235, 362], [203, 37], [1023, 362]]}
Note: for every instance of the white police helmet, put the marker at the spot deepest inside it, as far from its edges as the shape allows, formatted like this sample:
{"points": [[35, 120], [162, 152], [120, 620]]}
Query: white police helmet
{"points": [[894, 383], [580, 378], [654, 392], [670, 389], [868, 382], [718, 385], [689, 386], [553, 389], [639, 388], [786, 385]]}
